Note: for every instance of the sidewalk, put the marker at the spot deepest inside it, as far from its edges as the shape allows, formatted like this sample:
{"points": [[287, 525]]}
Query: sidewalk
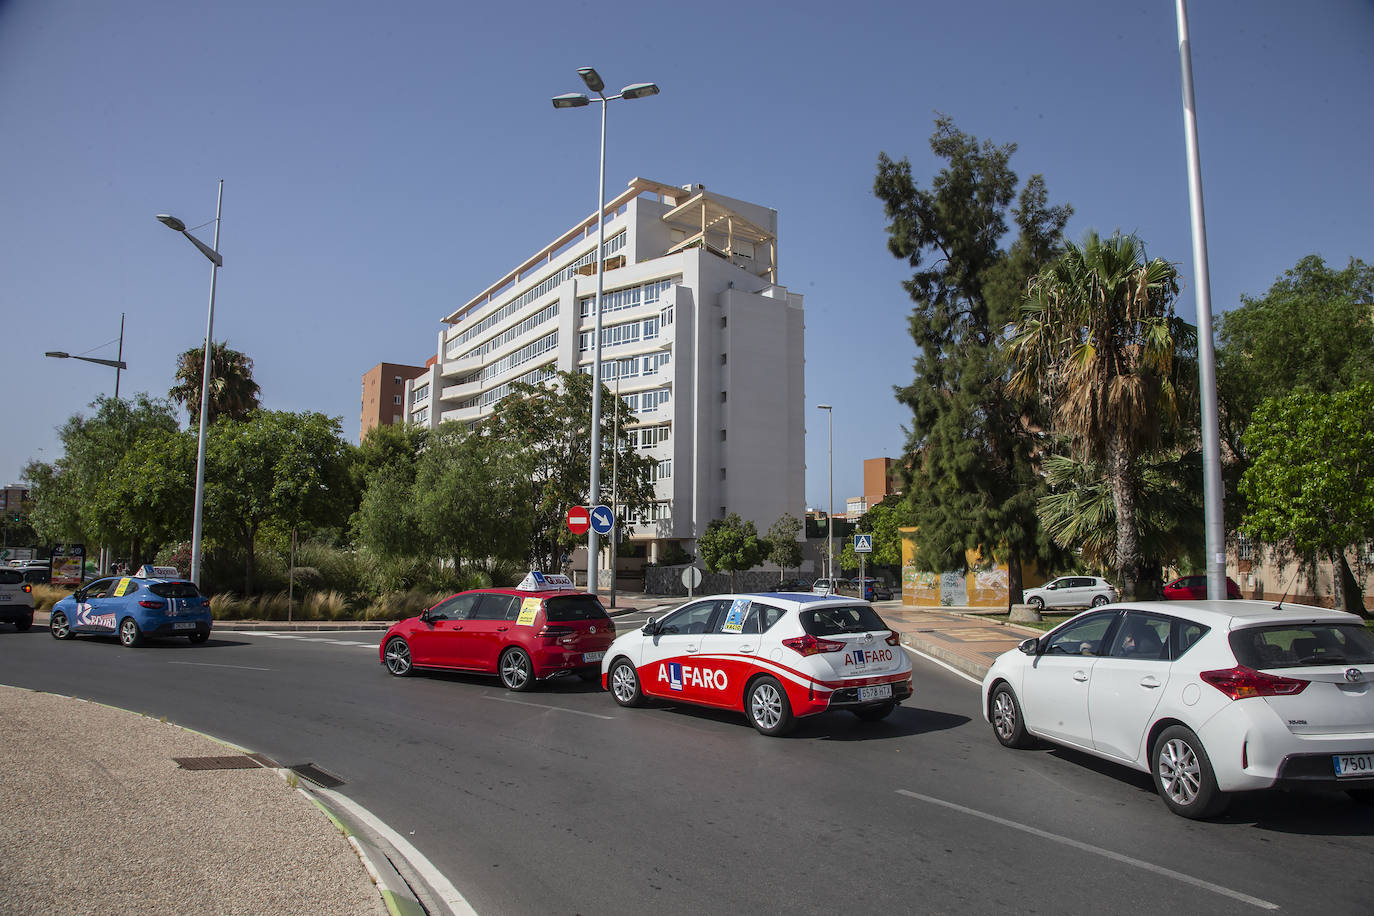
{"points": [[969, 640]]}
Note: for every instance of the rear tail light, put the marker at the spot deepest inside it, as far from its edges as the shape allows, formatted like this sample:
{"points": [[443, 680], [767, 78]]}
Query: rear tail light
{"points": [[28, 589], [1241, 682], [810, 645], [150, 605], [893, 638]]}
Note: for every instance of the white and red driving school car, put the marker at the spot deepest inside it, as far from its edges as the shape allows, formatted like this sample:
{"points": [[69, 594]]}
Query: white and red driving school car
{"points": [[775, 657]]}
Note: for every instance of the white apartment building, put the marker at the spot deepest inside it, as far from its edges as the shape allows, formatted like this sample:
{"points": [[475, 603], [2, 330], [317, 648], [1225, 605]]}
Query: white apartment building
{"points": [[705, 345]]}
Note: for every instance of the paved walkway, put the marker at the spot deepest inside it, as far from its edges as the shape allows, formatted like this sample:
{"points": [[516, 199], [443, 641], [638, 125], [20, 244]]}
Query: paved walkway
{"points": [[236, 825]]}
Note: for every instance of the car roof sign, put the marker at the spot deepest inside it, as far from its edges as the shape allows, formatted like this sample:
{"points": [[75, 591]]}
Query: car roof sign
{"points": [[537, 581]]}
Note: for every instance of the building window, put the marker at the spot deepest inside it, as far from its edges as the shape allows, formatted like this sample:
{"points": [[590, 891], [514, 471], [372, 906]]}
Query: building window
{"points": [[724, 322], [722, 435], [419, 394], [724, 358], [397, 379], [396, 399], [1245, 548], [664, 469], [724, 395], [722, 473]]}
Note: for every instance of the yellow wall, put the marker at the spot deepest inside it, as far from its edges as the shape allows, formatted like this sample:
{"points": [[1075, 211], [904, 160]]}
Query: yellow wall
{"points": [[975, 588]]}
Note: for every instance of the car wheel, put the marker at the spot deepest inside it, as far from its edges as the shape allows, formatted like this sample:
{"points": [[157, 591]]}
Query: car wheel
{"points": [[767, 707], [397, 657], [1037, 602], [625, 684], [198, 637], [23, 623], [1183, 774], [1099, 600], [874, 713], [1007, 722], [59, 627], [516, 672], [130, 636]]}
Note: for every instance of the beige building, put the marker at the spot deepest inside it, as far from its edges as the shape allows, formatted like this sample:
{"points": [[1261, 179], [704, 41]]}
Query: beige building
{"points": [[384, 395]]}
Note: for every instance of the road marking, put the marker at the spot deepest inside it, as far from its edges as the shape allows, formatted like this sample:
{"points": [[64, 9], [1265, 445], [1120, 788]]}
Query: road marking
{"points": [[298, 638], [576, 712], [1105, 853], [948, 667], [441, 886], [213, 665]]}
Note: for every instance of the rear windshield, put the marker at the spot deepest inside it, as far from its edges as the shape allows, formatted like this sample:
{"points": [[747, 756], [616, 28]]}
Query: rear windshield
{"points": [[174, 590], [1300, 645], [10, 577], [852, 618], [574, 607]]}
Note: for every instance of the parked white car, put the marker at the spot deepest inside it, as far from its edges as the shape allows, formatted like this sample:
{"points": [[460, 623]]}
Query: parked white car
{"points": [[826, 586], [1208, 697], [1071, 591]]}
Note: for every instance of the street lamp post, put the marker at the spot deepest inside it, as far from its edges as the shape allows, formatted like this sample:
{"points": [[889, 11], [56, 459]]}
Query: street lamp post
{"points": [[581, 100], [216, 261], [117, 363], [830, 512]]}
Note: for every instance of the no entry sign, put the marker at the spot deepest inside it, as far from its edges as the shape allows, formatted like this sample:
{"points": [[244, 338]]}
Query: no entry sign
{"points": [[579, 520]]}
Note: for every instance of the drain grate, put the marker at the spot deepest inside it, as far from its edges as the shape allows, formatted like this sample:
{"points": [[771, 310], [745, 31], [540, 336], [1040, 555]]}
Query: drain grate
{"points": [[316, 775], [233, 762]]}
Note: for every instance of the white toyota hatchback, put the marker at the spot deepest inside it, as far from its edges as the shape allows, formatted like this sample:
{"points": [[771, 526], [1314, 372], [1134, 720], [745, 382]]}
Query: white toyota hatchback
{"points": [[773, 656], [1209, 697]]}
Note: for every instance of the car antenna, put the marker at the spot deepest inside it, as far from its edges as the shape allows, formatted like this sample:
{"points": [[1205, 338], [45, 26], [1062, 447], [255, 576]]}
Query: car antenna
{"points": [[1284, 597]]}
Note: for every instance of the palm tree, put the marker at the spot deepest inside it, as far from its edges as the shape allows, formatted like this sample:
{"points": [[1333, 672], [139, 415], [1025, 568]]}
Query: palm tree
{"points": [[233, 393], [1096, 340]]}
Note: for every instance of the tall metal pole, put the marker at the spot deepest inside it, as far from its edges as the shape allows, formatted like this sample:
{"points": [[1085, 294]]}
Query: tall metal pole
{"points": [[615, 489], [196, 523], [1207, 367], [830, 512], [594, 491], [120, 357]]}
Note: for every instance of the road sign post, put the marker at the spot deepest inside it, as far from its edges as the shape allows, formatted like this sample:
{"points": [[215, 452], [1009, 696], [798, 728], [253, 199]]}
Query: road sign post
{"points": [[578, 520], [863, 546]]}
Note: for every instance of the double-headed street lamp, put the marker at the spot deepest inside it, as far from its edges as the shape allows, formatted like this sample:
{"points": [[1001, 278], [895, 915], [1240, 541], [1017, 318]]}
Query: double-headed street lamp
{"points": [[581, 100], [118, 363], [216, 261], [830, 512]]}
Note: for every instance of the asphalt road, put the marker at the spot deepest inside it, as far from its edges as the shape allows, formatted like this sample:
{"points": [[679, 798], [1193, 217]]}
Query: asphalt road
{"points": [[559, 801]]}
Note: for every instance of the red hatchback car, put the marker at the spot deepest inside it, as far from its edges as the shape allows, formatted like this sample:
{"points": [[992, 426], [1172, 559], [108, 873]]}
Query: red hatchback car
{"points": [[1194, 588], [520, 635]]}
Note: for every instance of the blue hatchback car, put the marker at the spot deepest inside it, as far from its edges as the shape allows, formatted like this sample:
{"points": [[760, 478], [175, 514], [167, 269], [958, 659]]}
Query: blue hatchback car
{"points": [[134, 608]]}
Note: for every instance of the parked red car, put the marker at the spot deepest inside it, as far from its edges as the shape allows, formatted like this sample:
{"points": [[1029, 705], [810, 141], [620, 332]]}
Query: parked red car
{"points": [[1195, 588], [522, 635]]}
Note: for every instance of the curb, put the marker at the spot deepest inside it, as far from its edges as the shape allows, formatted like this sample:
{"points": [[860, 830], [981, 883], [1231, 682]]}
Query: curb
{"points": [[953, 659]]}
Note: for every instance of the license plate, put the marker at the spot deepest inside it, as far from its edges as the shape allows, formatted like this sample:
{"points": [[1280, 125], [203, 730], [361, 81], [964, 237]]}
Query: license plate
{"points": [[593, 656], [880, 692], [1354, 764], [189, 625]]}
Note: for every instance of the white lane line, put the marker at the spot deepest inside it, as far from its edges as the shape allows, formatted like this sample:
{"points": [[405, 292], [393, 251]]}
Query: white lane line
{"points": [[455, 901], [948, 667], [213, 665], [576, 712], [1105, 853]]}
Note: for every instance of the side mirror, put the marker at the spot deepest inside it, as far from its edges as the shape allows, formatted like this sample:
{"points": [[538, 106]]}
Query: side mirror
{"points": [[650, 627], [1030, 646], [78, 595]]}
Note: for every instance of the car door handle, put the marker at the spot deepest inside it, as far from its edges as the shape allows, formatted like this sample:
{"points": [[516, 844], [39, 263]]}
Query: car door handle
{"points": [[1150, 681], [746, 648], [691, 648], [502, 629], [1080, 676]]}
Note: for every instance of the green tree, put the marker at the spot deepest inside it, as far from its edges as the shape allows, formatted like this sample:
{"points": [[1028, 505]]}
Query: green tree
{"points": [[1096, 342], [1311, 477], [280, 468], [884, 521], [1313, 329], [471, 497], [783, 548], [731, 544], [66, 493], [233, 392], [550, 424], [971, 482], [148, 496]]}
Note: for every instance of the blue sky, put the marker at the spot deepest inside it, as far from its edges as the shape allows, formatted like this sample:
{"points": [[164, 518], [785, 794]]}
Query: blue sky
{"points": [[385, 162]]}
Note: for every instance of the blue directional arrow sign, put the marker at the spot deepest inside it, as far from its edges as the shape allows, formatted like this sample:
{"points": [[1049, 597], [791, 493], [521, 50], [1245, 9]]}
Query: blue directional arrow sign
{"points": [[863, 543], [602, 519]]}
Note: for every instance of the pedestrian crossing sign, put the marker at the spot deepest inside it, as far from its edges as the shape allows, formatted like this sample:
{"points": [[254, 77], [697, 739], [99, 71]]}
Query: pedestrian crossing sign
{"points": [[863, 543]]}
